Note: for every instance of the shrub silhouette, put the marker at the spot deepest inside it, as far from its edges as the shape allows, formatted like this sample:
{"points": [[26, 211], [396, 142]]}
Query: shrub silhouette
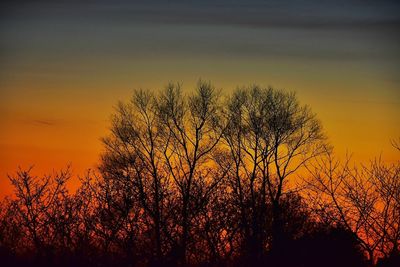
{"points": [[325, 247]]}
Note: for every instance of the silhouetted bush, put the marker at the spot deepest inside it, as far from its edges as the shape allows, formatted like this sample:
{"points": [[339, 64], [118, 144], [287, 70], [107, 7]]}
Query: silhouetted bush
{"points": [[330, 247]]}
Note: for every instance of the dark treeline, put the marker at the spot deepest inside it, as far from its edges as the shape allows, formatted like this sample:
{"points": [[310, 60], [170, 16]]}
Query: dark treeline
{"points": [[201, 180]]}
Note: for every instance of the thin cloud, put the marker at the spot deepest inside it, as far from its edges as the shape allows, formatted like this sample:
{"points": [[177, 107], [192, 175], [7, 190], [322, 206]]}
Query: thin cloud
{"points": [[44, 122]]}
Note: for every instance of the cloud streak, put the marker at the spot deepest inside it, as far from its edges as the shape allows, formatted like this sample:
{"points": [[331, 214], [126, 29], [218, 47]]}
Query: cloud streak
{"points": [[44, 122]]}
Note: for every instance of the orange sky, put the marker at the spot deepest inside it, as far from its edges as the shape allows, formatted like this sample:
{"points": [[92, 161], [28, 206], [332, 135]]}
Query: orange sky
{"points": [[63, 67], [57, 130]]}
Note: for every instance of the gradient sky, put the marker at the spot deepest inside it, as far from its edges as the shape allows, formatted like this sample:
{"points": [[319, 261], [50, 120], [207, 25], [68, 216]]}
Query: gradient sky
{"points": [[64, 64]]}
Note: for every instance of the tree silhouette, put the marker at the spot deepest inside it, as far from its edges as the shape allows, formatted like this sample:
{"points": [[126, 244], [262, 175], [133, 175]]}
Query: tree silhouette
{"points": [[365, 200], [41, 210], [270, 136], [199, 179], [160, 145], [132, 164]]}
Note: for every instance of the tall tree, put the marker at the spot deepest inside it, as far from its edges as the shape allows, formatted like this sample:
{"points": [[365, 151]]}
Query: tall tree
{"points": [[190, 127], [269, 136], [133, 163]]}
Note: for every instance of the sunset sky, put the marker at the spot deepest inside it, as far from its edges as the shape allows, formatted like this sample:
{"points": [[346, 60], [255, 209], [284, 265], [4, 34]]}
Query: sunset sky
{"points": [[65, 64]]}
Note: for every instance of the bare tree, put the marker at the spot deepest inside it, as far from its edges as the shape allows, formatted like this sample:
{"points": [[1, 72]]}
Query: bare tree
{"points": [[36, 204], [190, 133], [364, 199], [133, 161], [270, 136], [158, 158]]}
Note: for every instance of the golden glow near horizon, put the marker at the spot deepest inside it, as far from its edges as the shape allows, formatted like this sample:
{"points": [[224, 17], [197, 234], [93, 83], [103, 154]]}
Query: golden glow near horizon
{"points": [[60, 76]]}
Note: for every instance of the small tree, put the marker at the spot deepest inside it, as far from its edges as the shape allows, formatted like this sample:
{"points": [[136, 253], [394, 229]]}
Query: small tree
{"points": [[37, 205], [366, 200]]}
